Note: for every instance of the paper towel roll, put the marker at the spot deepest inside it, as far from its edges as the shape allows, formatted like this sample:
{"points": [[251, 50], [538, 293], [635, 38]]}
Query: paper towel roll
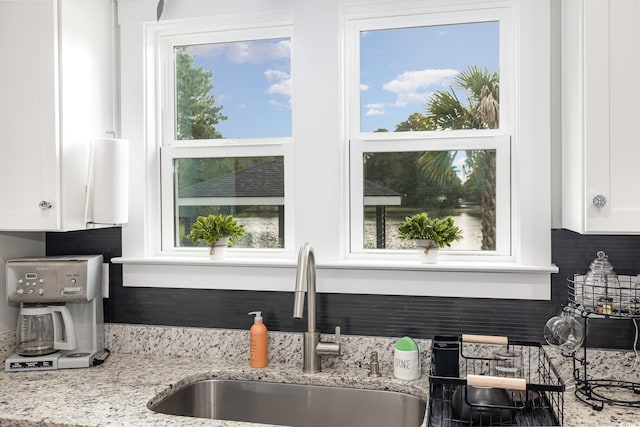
{"points": [[110, 181]]}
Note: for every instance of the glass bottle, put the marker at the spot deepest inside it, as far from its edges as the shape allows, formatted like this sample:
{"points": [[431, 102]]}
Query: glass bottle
{"points": [[601, 292]]}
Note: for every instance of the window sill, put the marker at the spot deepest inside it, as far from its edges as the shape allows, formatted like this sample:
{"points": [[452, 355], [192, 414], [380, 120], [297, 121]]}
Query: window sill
{"points": [[453, 279]]}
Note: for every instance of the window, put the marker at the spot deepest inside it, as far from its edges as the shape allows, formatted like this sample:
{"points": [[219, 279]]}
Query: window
{"points": [[238, 89], [429, 128], [229, 100], [332, 177], [249, 188]]}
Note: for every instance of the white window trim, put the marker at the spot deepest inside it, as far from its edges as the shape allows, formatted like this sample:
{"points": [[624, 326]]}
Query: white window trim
{"points": [[168, 38], [527, 277], [170, 153], [498, 139], [499, 143]]}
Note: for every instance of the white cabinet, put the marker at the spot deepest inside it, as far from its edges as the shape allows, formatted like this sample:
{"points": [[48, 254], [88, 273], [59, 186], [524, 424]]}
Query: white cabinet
{"points": [[56, 95], [601, 116]]}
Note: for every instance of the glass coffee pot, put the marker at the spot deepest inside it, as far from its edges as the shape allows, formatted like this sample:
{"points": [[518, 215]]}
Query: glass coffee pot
{"points": [[44, 329]]}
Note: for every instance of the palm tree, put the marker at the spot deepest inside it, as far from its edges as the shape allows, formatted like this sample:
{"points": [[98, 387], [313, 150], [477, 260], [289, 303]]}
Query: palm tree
{"points": [[481, 111]]}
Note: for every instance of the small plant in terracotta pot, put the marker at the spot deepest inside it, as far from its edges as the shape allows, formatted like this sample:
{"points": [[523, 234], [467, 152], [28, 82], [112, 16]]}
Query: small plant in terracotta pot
{"points": [[217, 231], [430, 234]]}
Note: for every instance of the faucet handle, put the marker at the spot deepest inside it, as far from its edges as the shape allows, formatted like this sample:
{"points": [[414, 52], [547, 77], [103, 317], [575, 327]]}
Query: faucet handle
{"points": [[330, 348]]}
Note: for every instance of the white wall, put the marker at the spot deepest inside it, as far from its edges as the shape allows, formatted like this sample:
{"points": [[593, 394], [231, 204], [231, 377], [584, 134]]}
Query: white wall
{"points": [[556, 118], [14, 245]]}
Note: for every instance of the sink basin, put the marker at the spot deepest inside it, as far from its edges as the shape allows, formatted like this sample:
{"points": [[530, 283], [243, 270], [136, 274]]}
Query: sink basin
{"points": [[293, 404]]}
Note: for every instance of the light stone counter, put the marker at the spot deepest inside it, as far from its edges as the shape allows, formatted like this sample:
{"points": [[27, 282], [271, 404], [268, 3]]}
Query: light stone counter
{"points": [[148, 362]]}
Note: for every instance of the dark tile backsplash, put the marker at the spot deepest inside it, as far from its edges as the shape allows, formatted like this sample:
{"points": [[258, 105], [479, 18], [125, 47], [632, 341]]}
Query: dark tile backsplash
{"points": [[377, 315]]}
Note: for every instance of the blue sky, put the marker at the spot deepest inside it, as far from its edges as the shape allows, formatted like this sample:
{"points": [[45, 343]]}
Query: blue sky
{"points": [[252, 81], [400, 68]]}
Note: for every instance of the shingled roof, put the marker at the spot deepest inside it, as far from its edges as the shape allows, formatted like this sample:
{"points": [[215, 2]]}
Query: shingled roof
{"points": [[265, 179]]}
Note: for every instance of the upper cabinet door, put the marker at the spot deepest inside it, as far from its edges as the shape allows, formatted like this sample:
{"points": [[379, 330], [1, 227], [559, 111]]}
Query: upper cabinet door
{"points": [[29, 131], [56, 96], [601, 147]]}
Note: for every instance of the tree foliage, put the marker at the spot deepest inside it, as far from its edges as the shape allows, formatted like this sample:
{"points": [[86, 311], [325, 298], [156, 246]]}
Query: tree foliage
{"points": [[481, 110], [197, 112]]}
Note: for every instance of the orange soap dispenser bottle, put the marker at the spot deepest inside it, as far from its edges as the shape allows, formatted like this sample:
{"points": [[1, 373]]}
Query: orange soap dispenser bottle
{"points": [[258, 342]]}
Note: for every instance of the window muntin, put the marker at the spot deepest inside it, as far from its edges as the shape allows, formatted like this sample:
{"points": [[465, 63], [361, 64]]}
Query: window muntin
{"points": [[238, 89], [437, 78]]}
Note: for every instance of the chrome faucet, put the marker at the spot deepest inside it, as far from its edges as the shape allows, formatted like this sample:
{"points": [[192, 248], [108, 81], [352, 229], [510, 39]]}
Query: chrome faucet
{"points": [[312, 347]]}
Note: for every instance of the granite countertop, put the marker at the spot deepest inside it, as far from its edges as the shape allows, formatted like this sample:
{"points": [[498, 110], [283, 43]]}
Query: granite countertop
{"points": [[117, 392], [141, 368]]}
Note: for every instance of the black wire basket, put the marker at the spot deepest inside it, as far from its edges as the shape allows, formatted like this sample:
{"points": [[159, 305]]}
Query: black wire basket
{"points": [[617, 296], [492, 381]]}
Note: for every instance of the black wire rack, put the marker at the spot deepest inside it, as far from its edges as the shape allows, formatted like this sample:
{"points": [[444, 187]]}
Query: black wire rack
{"points": [[593, 302], [450, 404]]}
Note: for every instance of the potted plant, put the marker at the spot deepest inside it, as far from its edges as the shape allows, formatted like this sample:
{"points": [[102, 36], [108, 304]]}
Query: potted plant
{"points": [[217, 231], [430, 234]]}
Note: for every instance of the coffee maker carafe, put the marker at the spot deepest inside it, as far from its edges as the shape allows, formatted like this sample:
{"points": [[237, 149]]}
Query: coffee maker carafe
{"points": [[61, 323], [44, 329]]}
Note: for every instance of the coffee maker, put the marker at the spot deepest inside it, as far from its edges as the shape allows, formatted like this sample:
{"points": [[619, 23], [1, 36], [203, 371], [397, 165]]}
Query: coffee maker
{"points": [[61, 321]]}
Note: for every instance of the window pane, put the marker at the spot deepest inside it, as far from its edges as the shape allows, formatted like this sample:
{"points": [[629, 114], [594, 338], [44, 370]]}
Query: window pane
{"points": [[233, 90], [249, 188], [430, 78], [460, 184]]}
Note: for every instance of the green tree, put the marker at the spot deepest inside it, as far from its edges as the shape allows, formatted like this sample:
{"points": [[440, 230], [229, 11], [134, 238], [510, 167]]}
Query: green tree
{"points": [[196, 118], [481, 111], [197, 112]]}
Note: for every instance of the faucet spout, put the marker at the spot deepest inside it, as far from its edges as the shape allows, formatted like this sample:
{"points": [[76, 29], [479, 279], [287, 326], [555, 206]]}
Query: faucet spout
{"points": [[306, 283]]}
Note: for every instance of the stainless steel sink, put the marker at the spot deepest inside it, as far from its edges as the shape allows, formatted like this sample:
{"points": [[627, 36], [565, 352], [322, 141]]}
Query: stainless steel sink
{"points": [[293, 404]]}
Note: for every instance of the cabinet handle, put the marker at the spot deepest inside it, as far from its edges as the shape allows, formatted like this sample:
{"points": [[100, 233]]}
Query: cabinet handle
{"points": [[44, 205], [599, 201]]}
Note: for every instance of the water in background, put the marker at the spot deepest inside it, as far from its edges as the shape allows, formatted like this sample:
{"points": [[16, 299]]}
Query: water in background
{"points": [[469, 224], [262, 232]]}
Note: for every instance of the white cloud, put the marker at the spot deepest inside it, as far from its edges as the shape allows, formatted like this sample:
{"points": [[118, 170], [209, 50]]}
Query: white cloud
{"points": [[377, 109], [279, 105], [364, 87], [258, 52], [206, 50], [282, 87], [413, 86], [280, 82]]}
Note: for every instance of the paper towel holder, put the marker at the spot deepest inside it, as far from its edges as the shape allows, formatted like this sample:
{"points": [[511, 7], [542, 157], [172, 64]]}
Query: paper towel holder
{"points": [[107, 189]]}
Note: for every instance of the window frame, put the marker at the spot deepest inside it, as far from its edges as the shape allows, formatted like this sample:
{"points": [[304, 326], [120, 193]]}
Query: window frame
{"points": [[475, 139], [499, 143], [172, 148]]}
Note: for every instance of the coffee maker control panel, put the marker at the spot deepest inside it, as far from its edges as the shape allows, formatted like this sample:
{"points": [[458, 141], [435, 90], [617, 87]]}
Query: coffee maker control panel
{"points": [[54, 279]]}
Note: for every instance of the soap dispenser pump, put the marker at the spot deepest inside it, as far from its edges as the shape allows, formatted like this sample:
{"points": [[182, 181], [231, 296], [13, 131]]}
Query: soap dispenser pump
{"points": [[258, 342]]}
